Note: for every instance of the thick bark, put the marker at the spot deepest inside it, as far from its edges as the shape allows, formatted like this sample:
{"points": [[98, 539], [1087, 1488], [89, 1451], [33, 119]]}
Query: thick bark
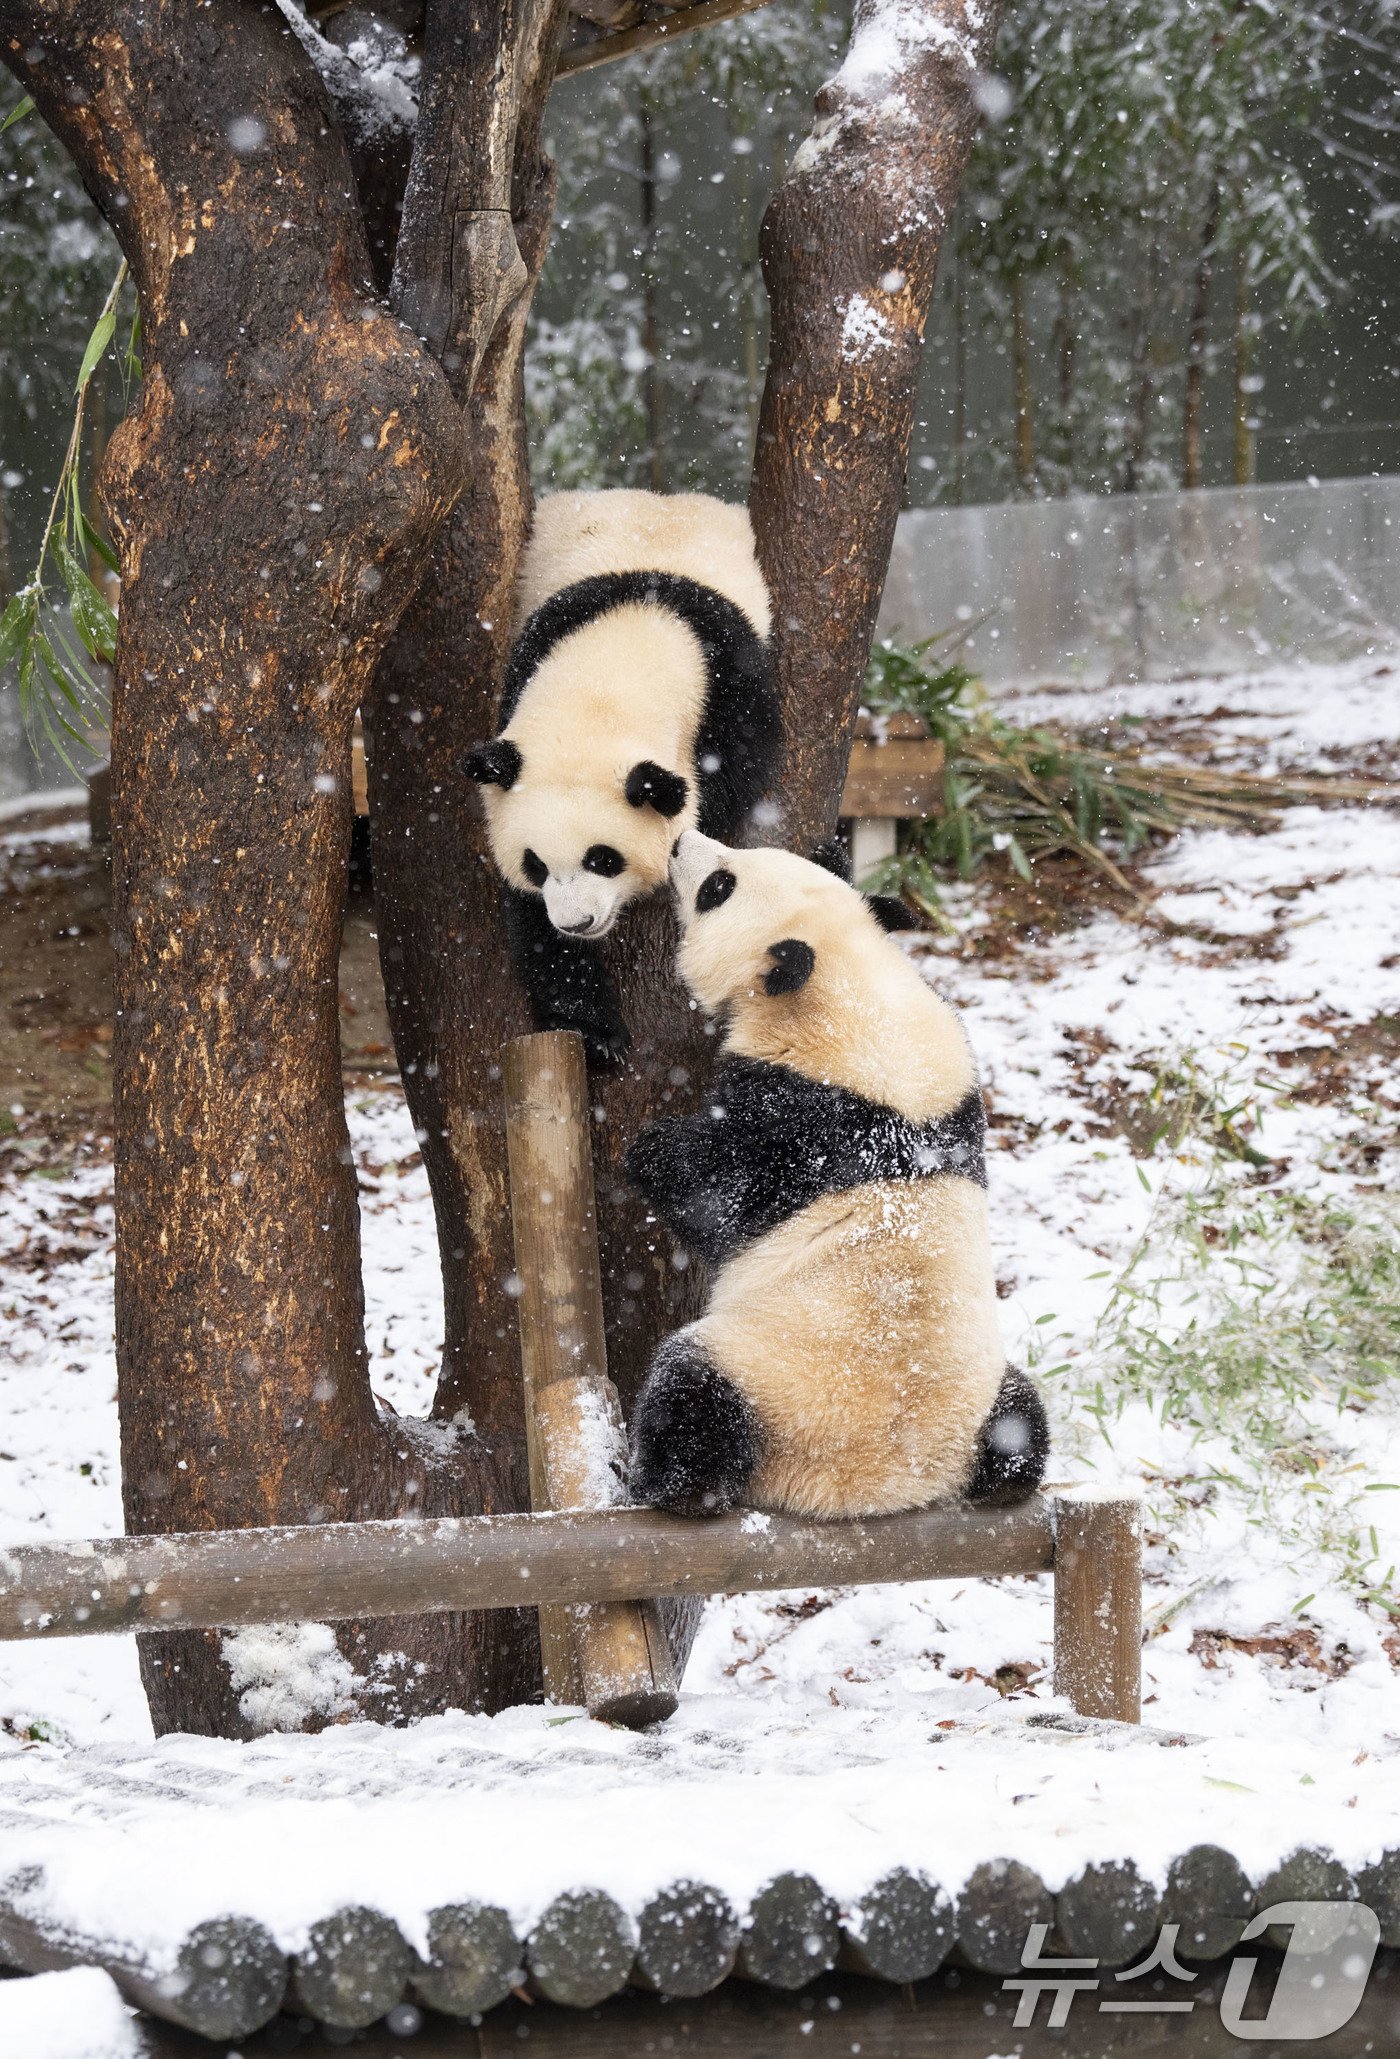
{"points": [[651, 293], [1244, 389], [273, 495], [453, 1002], [850, 248]]}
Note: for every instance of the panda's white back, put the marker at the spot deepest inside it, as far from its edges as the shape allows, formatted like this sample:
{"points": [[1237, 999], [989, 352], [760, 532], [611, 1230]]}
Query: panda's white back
{"points": [[578, 535]]}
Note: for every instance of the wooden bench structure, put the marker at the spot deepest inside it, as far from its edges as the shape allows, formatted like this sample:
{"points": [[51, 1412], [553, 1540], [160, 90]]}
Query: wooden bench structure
{"points": [[575, 1549]]}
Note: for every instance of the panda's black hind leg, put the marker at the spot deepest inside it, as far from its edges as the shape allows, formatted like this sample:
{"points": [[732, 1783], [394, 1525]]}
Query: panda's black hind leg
{"points": [[1013, 1445], [695, 1439]]}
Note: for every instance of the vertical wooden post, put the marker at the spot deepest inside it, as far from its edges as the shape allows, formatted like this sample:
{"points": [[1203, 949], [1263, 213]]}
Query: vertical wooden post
{"points": [[611, 1655], [1098, 1601]]}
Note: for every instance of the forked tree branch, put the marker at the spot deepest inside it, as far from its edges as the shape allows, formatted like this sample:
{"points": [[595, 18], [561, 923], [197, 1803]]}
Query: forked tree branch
{"points": [[850, 248]]}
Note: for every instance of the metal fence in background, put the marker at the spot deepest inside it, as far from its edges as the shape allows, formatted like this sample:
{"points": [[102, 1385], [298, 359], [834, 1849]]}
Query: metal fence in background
{"points": [[1154, 586], [1123, 587]]}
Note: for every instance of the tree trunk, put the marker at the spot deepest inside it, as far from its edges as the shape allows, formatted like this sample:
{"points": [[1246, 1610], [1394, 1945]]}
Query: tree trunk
{"points": [[651, 316], [1021, 382], [273, 496], [850, 249], [1135, 455], [1244, 448], [1065, 354], [959, 381], [1197, 341]]}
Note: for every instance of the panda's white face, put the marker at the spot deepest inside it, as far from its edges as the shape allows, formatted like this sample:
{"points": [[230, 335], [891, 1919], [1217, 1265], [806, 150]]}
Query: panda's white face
{"points": [[752, 922], [586, 848], [805, 977]]}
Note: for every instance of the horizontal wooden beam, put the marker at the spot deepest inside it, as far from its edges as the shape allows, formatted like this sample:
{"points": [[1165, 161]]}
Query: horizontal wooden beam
{"points": [[901, 779], [334, 1571], [647, 34]]}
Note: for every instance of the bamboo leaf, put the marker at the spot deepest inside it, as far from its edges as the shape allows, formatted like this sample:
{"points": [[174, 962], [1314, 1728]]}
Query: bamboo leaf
{"points": [[17, 114], [96, 345], [93, 540], [17, 623], [92, 618]]}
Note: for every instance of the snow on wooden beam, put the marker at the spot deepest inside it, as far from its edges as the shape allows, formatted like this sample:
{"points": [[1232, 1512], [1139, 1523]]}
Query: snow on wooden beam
{"points": [[647, 34], [331, 1572]]}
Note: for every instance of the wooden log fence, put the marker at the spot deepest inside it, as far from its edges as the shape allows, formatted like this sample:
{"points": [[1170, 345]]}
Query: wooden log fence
{"points": [[229, 1978]]}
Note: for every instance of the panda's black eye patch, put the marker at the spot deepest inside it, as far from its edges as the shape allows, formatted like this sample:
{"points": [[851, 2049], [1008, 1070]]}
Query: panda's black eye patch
{"points": [[604, 860], [534, 869], [714, 891]]}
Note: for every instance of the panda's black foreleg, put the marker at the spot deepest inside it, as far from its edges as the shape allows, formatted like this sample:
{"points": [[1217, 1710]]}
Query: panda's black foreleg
{"points": [[566, 980], [672, 1164], [1013, 1445], [695, 1438]]}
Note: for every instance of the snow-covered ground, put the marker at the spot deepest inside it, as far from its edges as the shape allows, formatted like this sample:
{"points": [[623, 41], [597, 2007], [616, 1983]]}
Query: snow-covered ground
{"points": [[1193, 1169]]}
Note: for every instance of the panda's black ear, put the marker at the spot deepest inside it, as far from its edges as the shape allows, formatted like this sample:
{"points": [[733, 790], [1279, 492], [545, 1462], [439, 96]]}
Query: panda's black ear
{"points": [[496, 763], [792, 966], [891, 913], [652, 786], [832, 856]]}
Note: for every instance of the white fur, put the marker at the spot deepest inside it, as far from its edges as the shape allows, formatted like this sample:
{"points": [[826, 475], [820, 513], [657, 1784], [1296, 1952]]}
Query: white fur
{"points": [[863, 1330], [625, 688]]}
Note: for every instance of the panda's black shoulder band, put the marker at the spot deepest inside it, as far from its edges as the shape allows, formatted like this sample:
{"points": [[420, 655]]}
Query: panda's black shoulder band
{"points": [[769, 1142], [736, 748]]}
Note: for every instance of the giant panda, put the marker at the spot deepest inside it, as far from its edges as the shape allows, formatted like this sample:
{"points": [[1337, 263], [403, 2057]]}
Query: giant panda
{"points": [[638, 702], [848, 1361]]}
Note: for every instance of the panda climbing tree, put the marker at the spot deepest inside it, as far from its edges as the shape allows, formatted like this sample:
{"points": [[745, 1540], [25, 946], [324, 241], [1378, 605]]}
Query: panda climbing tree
{"points": [[320, 503]]}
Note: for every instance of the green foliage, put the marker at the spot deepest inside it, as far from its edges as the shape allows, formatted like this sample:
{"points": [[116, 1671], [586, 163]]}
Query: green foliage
{"points": [[59, 697], [1021, 794], [1259, 1321]]}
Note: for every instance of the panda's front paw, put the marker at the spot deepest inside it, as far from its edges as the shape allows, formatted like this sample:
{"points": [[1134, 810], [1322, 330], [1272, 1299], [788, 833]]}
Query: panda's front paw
{"points": [[605, 1045]]}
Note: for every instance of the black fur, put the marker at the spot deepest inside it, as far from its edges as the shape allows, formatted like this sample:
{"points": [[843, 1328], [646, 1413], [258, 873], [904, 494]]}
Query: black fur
{"points": [[792, 966], [651, 786], [769, 1142], [565, 979], [695, 1438], [494, 764], [736, 749], [891, 913], [1014, 1444]]}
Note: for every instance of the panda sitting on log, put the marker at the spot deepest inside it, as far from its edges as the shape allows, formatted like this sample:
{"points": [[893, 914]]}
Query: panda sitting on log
{"points": [[848, 1361], [638, 702]]}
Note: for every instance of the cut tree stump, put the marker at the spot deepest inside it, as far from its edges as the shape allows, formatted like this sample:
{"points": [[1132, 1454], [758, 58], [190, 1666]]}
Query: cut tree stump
{"points": [[687, 1939], [353, 1970], [611, 1655], [474, 1959], [998, 1904], [902, 1930], [1209, 1898], [793, 1933], [582, 1948]]}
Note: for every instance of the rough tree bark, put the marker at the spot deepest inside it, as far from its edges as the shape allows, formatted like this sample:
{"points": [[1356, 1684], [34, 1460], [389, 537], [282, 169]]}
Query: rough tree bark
{"points": [[274, 495], [850, 249], [277, 497], [1194, 402]]}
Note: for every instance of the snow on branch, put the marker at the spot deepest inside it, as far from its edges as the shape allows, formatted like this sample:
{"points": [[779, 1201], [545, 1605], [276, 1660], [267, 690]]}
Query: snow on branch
{"points": [[373, 81]]}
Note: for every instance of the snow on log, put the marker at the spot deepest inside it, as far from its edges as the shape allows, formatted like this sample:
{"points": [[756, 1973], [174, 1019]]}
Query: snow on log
{"points": [[336, 1571], [1108, 1912], [1307, 1875], [582, 1948], [687, 1939], [474, 1959], [902, 1930], [998, 1904], [354, 1968], [226, 1980], [793, 1933], [1209, 1898]]}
